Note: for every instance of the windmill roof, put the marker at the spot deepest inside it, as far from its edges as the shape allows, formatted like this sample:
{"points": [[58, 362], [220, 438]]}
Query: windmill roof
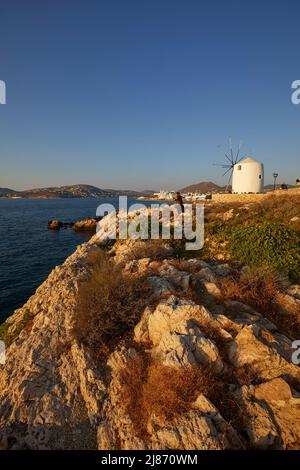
{"points": [[249, 160]]}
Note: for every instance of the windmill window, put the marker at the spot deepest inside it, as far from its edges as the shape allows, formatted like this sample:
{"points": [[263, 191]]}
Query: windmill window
{"points": [[239, 167], [260, 177]]}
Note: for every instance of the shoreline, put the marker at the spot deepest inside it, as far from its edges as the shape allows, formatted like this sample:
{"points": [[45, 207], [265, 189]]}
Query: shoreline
{"points": [[219, 200]]}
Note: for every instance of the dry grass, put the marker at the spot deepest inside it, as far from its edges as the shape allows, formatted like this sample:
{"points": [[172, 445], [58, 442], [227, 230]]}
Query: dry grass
{"points": [[260, 288], [148, 388], [151, 388], [282, 208], [275, 208], [109, 304], [257, 288]]}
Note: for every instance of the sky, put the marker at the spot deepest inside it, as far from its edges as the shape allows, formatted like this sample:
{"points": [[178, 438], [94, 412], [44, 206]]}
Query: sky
{"points": [[145, 94]]}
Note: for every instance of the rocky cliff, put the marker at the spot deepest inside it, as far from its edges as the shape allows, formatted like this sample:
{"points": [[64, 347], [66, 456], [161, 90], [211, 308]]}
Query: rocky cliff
{"points": [[233, 383]]}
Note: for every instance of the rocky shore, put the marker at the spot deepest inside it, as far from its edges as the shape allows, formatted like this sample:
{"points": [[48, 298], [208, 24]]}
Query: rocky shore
{"points": [[87, 225], [56, 393]]}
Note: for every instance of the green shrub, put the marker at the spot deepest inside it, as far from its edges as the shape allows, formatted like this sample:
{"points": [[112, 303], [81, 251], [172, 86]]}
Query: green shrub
{"points": [[271, 244], [3, 330], [219, 230], [9, 334]]}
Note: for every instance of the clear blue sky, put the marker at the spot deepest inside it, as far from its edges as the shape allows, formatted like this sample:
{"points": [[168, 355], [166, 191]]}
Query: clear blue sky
{"points": [[141, 94]]}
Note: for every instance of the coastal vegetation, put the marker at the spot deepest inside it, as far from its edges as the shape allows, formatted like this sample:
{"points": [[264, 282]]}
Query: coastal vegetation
{"points": [[148, 388], [109, 303], [265, 233]]}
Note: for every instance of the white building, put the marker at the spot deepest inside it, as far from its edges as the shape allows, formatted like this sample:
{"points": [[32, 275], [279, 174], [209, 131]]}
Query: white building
{"points": [[248, 176], [164, 195]]}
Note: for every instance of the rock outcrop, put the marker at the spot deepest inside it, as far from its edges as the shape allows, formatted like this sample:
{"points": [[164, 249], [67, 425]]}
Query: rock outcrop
{"points": [[88, 225], [55, 225], [54, 394]]}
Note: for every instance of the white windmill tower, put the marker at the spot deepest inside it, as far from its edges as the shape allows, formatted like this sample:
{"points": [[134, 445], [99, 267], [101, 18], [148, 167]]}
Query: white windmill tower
{"points": [[247, 174]]}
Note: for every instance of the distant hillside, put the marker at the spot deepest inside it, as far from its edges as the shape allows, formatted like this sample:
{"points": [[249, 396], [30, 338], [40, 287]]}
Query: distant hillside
{"points": [[76, 190], [4, 191], [72, 191], [202, 187]]}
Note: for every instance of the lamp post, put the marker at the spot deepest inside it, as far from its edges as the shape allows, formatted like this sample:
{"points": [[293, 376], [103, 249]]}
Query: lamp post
{"points": [[275, 176]]}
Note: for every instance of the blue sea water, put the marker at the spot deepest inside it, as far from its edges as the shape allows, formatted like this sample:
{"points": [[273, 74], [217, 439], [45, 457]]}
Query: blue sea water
{"points": [[29, 251]]}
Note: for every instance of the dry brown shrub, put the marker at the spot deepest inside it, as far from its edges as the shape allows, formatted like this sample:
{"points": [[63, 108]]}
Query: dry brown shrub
{"points": [[260, 288], [257, 287], [151, 388], [109, 304]]}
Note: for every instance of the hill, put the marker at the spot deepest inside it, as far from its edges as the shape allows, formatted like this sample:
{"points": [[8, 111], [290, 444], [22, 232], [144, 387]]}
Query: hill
{"points": [[72, 191], [202, 187], [76, 190], [4, 191]]}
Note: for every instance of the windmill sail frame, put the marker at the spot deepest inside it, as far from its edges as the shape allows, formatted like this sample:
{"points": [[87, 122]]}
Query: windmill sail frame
{"points": [[233, 160]]}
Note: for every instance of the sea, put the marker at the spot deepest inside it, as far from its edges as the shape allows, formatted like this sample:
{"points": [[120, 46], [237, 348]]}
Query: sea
{"points": [[29, 251]]}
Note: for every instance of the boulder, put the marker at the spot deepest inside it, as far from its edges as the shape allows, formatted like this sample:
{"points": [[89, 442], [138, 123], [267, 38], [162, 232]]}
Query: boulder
{"points": [[265, 353], [201, 428], [161, 287], [171, 312], [187, 346], [88, 225], [272, 414], [54, 224], [176, 337]]}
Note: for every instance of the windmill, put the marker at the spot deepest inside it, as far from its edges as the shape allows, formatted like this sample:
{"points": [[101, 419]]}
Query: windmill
{"points": [[232, 159]]}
